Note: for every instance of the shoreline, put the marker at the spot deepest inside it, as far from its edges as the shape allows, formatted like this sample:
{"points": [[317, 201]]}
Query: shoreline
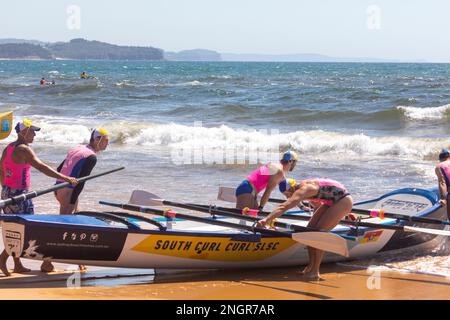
{"points": [[341, 283]]}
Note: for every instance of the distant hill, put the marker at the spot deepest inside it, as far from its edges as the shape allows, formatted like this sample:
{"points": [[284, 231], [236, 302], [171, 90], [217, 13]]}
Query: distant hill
{"points": [[300, 57], [23, 51], [193, 55], [78, 49], [13, 40], [83, 49]]}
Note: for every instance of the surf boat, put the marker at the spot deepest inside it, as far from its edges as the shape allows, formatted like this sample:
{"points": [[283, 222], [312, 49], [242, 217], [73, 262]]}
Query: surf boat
{"points": [[220, 241]]}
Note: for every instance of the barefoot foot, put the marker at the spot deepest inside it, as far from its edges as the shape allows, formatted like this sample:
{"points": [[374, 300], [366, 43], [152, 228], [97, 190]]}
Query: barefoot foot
{"points": [[3, 258], [21, 269], [313, 276], [82, 268], [306, 270], [5, 271], [47, 267]]}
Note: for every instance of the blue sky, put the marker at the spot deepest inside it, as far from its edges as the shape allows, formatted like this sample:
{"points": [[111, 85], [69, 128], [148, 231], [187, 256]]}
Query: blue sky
{"points": [[400, 29]]}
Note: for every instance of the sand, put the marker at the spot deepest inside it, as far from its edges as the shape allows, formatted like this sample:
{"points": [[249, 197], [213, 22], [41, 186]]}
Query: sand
{"points": [[341, 282]]}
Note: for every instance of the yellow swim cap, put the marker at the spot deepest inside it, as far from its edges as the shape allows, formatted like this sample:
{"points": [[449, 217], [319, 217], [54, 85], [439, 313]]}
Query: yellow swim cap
{"points": [[100, 132], [286, 184]]}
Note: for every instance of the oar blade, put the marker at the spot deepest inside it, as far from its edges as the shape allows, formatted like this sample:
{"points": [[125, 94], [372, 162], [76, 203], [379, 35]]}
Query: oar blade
{"points": [[227, 194], [323, 241], [427, 230], [144, 198]]}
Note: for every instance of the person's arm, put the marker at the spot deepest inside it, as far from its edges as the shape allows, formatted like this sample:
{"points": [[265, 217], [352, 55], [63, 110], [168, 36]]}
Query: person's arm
{"points": [[304, 192], [2, 173], [30, 157], [442, 186], [271, 185], [86, 170]]}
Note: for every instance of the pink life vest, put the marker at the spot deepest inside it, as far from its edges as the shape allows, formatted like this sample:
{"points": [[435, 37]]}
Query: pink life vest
{"points": [[74, 161], [445, 169], [260, 178], [17, 175]]}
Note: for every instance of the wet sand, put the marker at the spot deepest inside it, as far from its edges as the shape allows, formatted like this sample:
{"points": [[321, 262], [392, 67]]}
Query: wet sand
{"points": [[341, 282]]}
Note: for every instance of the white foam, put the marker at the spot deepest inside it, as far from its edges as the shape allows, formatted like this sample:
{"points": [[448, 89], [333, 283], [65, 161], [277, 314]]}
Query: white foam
{"points": [[314, 143], [196, 83], [311, 142], [431, 113]]}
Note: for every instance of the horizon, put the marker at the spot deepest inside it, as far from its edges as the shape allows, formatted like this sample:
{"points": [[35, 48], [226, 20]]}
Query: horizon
{"points": [[411, 31]]}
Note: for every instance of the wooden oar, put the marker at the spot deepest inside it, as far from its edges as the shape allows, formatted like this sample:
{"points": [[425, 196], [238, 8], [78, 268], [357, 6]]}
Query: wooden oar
{"points": [[147, 198], [227, 194], [154, 200], [320, 240], [34, 194]]}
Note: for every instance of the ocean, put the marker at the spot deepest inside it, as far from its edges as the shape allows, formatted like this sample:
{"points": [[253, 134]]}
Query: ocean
{"points": [[181, 129]]}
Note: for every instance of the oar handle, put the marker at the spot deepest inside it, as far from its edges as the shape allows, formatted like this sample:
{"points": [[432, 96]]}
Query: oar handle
{"points": [[403, 217], [33, 194]]}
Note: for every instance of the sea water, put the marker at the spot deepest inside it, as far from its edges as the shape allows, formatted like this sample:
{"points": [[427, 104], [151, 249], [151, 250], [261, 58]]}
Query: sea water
{"points": [[181, 129]]}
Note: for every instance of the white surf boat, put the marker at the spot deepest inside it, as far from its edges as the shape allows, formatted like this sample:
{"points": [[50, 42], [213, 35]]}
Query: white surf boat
{"points": [[120, 239]]}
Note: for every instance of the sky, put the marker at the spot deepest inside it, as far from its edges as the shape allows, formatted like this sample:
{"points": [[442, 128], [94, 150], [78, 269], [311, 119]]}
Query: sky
{"points": [[401, 29]]}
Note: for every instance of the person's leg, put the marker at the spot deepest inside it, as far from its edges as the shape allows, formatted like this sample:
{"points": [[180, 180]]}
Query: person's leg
{"points": [[448, 206], [245, 200], [330, 218], [318, 213], [64, 196], [25, 207], [3, 258], [18, 266]]}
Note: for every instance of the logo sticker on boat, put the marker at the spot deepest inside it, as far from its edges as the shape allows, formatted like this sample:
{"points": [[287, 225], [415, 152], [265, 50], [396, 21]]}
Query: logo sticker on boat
{"points": [[217, 248], [371, 236], [13, 242]]}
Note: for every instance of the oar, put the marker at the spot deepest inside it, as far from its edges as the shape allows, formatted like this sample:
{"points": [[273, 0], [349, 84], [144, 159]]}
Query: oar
{"points": [[34, 194], [227, 194], [154, 200], [348, 222], [320, 240], [147, 198]]}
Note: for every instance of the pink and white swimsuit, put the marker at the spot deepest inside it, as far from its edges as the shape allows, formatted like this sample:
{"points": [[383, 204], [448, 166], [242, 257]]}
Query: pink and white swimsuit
{"points": [[330, 192]]}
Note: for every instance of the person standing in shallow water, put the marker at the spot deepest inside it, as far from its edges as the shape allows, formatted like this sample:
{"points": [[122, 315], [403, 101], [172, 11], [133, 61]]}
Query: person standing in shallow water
{"points": [[443, 173], [78, 163], [16, 162]]}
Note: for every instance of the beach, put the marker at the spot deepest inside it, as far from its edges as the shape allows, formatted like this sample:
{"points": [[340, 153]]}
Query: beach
{"points": [[342, 281], [182, 129]]}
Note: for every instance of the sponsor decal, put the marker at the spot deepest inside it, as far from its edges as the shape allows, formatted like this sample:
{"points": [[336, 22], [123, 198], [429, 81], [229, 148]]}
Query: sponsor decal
{"points": [[213, 248], [31, 251], [371, 236], [404, 205], [73, 243], [13, 242]]}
